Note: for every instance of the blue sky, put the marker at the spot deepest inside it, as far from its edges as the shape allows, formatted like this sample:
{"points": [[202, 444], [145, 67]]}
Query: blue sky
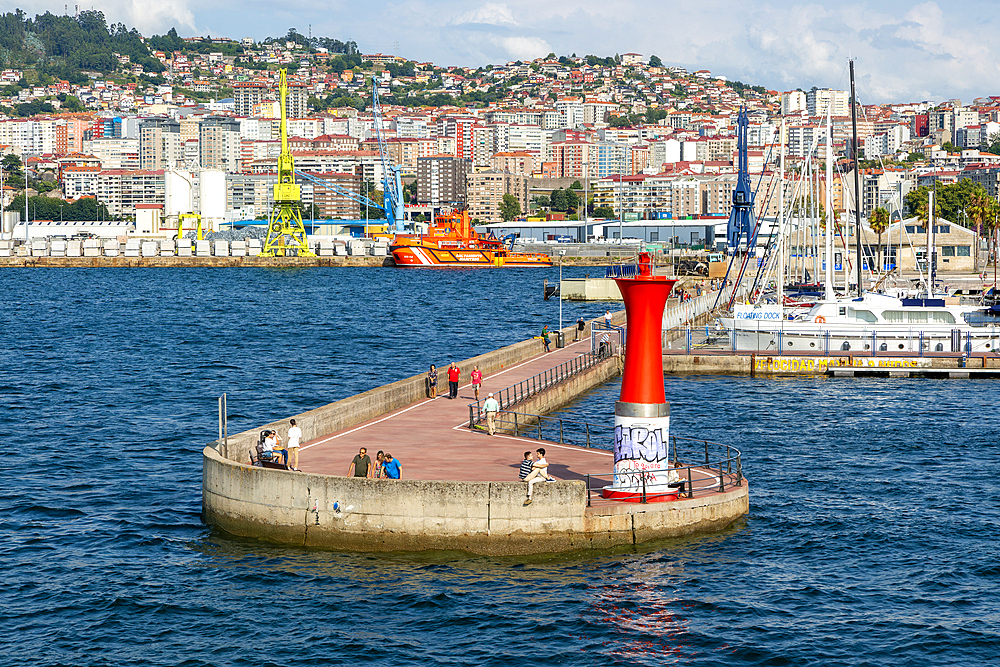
{"points": [[904, 51]]}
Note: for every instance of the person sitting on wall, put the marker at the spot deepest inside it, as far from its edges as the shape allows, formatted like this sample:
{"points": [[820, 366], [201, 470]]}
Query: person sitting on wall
{"points": [[525, 466], [539, 473]]}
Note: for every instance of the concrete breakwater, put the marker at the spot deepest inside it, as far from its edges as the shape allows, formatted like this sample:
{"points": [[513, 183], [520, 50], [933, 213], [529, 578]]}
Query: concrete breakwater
{"points": [[485, 516]]}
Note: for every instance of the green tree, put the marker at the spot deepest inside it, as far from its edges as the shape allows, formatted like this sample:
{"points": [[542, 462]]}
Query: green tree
{"points": [[654, 61], [510, 208], [879, 222], [605, 212], [558, 200], [572, 201], [577, 185], [979, 210]]}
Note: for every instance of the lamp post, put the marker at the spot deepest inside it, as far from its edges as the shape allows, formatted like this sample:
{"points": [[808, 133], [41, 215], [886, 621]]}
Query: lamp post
{"points": [[561, 253], [61, 212]]}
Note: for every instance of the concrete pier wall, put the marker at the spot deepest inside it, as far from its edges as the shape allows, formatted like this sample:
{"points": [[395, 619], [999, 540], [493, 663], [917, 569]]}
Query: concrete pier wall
{"points": [[351, 514]]}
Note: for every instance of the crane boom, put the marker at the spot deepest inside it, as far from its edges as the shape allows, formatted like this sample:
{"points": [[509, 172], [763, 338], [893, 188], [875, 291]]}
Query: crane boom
{"points": [[392, 182]]}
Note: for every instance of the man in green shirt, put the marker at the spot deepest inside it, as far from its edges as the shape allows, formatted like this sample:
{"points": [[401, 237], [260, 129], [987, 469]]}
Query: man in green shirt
{"points": [[360, 465]]}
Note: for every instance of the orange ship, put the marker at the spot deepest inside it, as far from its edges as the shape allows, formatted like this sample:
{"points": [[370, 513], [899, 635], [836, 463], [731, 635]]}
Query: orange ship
{"points": [[451, 241]]}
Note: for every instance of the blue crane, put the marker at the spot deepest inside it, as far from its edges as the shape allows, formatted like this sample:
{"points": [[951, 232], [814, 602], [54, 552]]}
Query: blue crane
{"points": [[392, 179], [741, 222]]}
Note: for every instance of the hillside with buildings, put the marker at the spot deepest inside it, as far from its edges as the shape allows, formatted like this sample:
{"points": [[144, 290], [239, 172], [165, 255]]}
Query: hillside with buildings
{"points": [[128, 118]]}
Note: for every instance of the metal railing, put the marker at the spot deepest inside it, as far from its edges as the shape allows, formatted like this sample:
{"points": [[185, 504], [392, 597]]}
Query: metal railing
{"points": [[723, 470], [539, 382]]}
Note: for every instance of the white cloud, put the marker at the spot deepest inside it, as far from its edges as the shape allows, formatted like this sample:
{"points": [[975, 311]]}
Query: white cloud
{"points": [[147, 17], [522, 48], [491, 13]]}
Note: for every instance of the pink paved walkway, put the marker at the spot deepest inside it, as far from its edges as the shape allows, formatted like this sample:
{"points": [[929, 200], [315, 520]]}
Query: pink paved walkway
{"points": [[431, 440]]}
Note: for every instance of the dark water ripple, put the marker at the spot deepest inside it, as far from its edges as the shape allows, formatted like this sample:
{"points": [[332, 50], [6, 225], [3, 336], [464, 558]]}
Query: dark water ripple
{"points": [[872, 537]]}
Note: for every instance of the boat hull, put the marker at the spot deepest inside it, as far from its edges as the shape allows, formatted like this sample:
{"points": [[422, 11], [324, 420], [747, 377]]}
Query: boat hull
{"points": [[801, 337], [430, 257]]}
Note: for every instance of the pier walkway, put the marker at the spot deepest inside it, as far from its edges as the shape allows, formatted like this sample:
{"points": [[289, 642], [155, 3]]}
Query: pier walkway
{"points": [[432, 441]]}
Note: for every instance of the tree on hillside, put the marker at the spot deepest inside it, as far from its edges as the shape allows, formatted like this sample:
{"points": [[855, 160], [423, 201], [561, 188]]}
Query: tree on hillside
{"points": [[654, 61], [510, 208]]}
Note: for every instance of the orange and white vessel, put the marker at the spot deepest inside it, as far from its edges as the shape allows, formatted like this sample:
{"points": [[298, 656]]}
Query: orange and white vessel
{"points": [[451, 241]]}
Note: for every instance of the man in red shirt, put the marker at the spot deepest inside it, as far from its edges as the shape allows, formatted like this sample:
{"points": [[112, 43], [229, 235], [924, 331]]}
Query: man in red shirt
{"points": [[453, 375]]}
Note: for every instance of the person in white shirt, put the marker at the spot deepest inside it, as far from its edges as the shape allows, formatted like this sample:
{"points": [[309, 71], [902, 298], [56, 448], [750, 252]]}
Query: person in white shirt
{"points": [[294, 436], [539, 473], [491, 407], [607, 317]]}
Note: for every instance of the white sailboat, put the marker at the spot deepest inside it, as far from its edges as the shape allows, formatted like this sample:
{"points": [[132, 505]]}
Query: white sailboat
{"points": [[867, 323]]}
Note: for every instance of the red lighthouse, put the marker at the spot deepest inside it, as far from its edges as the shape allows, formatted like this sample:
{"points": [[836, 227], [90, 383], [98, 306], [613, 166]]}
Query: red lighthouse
{"points": [[642, 414]]}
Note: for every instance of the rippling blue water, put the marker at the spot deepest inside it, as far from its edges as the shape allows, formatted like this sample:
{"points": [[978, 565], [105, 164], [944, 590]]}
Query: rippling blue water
{"points": [[871, 538]]}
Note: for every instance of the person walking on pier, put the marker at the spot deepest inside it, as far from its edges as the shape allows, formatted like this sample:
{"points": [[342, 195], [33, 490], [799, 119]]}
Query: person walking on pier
{"points": [[539, 473], [605, 348], [294, 436], [545, 337], [361, 465], [454, 373], [477, 380], [607, 318], [379, 470], [491, 407], [580, 325], [432, 381]]}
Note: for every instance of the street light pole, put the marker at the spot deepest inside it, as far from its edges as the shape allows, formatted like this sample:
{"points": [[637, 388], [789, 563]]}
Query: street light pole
{"points": [[561, 253]]}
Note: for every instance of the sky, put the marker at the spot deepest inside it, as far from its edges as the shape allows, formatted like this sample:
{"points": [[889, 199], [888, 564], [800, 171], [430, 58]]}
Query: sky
{"points": [[903, 51]]}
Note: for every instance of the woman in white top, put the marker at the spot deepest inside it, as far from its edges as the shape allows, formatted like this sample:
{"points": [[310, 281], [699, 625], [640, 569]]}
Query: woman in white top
{"points": [[294, 435]]}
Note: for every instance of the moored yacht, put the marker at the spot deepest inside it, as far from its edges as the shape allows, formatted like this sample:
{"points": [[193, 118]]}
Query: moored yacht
{"points": [[872, 322]]}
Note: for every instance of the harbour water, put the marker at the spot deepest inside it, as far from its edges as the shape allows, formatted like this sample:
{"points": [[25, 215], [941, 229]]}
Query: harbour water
{"points": [[871, 538]]}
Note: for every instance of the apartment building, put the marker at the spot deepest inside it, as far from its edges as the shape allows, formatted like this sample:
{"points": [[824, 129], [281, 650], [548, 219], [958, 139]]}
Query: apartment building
{"points": [[793, 102], [333, 205], [248, 94], [159, 143], [523, 163], [485, 191], [662, 196], [442, 179], [819, 100], [121, 190], [219, 143], [114, 153]]}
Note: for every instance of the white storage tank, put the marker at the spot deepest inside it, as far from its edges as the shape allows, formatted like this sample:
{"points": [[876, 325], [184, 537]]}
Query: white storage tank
{"points": [[177, 193], [212, 184]]}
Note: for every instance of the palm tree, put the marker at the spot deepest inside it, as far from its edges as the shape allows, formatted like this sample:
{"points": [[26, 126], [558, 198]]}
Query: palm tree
{"points": [[978, 210], [879, 222]]}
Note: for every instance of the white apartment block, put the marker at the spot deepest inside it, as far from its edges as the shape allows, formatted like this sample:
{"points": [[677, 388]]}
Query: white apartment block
{"points": [[793, 102], [818, 100], [114, 153]]}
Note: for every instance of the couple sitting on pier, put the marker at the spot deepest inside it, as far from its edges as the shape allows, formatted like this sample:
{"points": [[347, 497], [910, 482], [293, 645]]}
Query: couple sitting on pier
{"points": [[535, 471]]}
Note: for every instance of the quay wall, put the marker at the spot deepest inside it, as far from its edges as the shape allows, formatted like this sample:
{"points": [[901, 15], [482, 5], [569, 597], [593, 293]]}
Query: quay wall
{"points": [[245, 261], [352, 514], [787, 365]]}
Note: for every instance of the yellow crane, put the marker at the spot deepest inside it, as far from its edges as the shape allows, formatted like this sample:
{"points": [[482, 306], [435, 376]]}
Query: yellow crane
{"points": [[285, 220]]}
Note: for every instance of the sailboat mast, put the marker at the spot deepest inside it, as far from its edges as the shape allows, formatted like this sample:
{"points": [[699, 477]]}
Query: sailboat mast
{"points": [[857, 177], [781, 217], [828, 292]]}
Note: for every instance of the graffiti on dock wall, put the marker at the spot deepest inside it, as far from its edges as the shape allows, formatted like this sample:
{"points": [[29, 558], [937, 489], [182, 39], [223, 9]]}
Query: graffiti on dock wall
{"points": [[822, 364]]}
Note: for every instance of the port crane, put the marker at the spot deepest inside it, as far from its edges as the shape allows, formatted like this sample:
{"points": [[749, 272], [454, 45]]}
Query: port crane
{"points": [[392, 180], [285, 220]]}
